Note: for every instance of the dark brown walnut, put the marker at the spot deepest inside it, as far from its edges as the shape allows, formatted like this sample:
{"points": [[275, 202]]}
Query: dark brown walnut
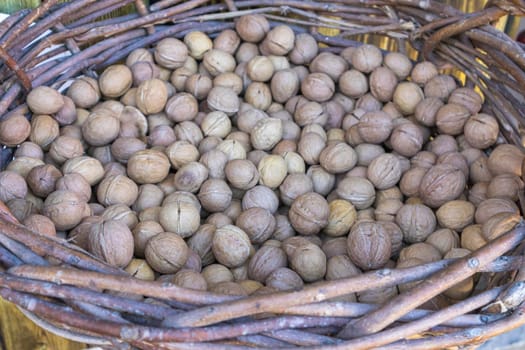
{"points": [[417, 222], [384, 171], [338, 158], [368, 245], [42, 179], [266, 260], [112, 242], [166, 252], [468, 98], [309, 213], [14, 130], [441, 183], [258, 223], [375, 127], [383, 83], [12, 185], [506, 159]]}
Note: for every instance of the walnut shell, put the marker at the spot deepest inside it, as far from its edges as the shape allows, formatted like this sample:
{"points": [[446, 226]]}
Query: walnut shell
{"points": [[166, 252], [231, 246], [369, 246], [265, 261], [417, 222], [111, 241], [441, 183], [309, 213], [384, 171], [456, 215]]}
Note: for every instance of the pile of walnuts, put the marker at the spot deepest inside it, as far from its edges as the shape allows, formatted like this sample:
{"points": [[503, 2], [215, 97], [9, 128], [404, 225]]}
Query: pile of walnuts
{"points": [[257, 162]]}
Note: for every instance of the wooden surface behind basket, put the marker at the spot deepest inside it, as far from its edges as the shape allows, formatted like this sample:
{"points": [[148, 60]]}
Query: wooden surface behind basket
{"points": [[502, 246]]}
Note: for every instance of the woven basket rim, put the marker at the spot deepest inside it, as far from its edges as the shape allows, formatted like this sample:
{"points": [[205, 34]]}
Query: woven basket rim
{"points": [[443, 34]]}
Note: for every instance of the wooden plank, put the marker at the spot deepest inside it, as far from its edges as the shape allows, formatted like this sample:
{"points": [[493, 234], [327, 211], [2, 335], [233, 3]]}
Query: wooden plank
{"points": [[19, 333]]}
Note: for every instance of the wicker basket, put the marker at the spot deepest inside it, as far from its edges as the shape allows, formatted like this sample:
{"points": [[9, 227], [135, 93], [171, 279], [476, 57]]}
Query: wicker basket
{"points": [[76, 299]]}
